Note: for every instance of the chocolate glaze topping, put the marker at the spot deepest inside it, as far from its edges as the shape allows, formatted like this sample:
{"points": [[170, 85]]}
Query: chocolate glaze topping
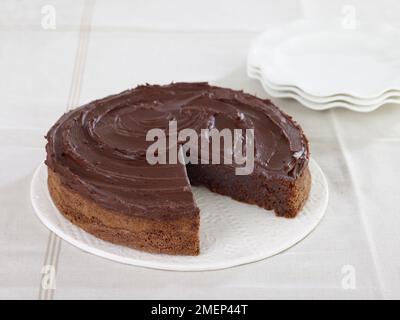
{"points": [[99, 149]]}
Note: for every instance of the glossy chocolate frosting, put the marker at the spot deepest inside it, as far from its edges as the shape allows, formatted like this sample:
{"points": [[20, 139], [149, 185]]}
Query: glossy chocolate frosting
{"points": [[99, 149]]}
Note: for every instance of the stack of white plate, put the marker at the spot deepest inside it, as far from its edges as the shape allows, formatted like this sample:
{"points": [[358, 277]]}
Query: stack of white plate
{"points": [[324, 65]]}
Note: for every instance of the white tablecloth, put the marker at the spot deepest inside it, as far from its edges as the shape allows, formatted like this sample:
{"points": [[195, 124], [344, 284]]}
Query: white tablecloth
{"points": [[103, 47]]}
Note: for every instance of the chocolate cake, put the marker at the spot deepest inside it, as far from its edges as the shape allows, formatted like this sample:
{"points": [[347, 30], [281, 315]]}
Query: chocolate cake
{"points": [[100, 179]]}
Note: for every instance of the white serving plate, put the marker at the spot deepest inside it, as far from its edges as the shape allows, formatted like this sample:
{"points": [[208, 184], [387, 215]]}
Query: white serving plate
{"points": [[325, 59], [232, 233]]}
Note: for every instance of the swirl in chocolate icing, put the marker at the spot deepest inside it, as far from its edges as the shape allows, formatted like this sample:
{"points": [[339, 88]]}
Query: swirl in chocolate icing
{"points": [[99, 149]]}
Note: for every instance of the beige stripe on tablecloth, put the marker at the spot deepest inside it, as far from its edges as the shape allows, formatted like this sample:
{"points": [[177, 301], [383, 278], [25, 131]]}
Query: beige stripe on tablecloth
{"points": [[53, 249]]}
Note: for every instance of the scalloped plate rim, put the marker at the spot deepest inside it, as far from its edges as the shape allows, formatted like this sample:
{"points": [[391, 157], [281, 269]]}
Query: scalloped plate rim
{"points": [[307, 24]]}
